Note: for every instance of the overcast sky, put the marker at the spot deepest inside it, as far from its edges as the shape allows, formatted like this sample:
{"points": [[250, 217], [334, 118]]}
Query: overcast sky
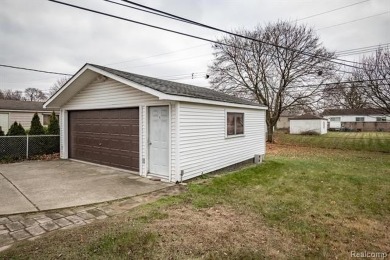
{"points": [[43, 35]]}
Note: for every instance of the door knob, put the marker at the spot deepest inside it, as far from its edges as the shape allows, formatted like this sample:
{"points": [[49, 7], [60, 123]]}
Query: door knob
{"points": [[100, 144]]}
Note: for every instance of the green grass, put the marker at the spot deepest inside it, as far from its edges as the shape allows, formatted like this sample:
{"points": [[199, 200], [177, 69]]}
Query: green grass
{"points": [[306, 203], [361, 141]]}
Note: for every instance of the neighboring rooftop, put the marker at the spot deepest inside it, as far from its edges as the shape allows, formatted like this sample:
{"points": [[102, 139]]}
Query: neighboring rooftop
{"points": [[21, 105], [178, 89], [358, 111], [306, 117]]}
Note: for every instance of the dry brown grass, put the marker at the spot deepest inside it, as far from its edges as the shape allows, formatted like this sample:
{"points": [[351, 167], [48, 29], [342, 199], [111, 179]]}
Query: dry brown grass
{"points": [[217, 231], [301, 203]]}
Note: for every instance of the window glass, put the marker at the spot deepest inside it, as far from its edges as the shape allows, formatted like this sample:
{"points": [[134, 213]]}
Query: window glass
{"points": [[359, 119], [235, 123], [239, 124], [335, 119], [230, 124]]}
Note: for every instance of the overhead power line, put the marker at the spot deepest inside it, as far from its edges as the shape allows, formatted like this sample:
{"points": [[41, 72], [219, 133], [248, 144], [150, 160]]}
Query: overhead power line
{"points": [[198, 37], [36, 70], [326, 12], [164, 29], [354, 20], [185, 20], [365, 47]]}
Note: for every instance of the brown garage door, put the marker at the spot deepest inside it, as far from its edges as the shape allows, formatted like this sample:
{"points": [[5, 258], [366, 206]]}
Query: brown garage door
{"points": [[109, 137]]}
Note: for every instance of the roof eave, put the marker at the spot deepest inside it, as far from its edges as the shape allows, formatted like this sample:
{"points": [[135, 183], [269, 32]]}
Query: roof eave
{"points": [[211, 102]]}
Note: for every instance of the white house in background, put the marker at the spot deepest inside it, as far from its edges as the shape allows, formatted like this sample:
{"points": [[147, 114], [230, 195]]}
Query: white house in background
{"points": [[308, 123], [22, 112], [156, 128], [284, 120], [362, 119]]}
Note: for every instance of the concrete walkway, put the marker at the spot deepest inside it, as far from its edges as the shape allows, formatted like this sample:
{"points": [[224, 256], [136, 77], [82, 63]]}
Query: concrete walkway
{"points": [[32, 186], [33, 225]]}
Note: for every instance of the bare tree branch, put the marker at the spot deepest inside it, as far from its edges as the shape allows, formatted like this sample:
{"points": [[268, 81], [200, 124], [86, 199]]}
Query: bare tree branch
{"points": [[269, 75]]}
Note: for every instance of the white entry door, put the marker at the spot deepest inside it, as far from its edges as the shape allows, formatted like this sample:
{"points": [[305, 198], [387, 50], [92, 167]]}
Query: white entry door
{"points": [[158, 142]]}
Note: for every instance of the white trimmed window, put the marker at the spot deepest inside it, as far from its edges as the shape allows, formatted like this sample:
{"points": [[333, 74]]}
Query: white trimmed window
{"points": [[381, 119], [234, 124], [335, 119], [359, 119]]}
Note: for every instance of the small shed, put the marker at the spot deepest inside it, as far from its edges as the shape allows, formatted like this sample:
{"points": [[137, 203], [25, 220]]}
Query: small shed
{"points": [[153, 127], [308, 123]]}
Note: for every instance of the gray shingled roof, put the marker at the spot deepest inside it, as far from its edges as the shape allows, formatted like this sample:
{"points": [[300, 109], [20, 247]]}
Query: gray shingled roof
{"points": [[177, 89], [307, 117], [357, 111], [21, 105]]}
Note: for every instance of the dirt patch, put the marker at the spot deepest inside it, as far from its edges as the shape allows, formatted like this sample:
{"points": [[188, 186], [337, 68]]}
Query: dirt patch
{"points": [[217, 231], [46, 157]]}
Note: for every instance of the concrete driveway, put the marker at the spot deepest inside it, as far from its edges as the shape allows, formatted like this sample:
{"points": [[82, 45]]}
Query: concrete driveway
{"points": [[41, 185]]}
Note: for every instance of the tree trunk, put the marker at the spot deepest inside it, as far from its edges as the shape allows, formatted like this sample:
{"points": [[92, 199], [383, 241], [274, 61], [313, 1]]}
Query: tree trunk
{"points": [[270, 133]]}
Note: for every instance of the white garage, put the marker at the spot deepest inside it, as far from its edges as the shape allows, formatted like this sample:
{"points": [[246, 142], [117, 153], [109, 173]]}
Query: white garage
{"points": [[308, 123], [153, 127]]}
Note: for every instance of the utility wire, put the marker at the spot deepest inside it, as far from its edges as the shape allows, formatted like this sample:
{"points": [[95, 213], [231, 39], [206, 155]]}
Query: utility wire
{"points": [[360, 48], [195, 24], [143, 10], [36, 70], [185, 34], [152, 26], [326, 12], [354, 20], [185, 20]]}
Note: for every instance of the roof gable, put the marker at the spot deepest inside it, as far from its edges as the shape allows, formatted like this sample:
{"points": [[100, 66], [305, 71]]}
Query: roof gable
{"points": [[179, 89], [163, 89]]}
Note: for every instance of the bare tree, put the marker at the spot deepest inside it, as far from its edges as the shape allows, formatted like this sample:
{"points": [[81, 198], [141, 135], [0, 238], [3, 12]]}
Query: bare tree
{"points": [[12, 94], [345, 95], [279, 78], [57, 85], [34, 94], [375, 73]]}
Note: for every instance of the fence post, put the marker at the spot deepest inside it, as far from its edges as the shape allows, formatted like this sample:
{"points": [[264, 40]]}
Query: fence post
{"points": [[27, 148]]}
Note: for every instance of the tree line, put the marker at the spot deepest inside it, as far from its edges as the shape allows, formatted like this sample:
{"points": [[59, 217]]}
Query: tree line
{"points": [[32, 94]]}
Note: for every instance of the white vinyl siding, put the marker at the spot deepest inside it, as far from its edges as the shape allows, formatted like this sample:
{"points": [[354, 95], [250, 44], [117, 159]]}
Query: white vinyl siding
{"points": [[203, 144], [4, 122], [24, 118], [108, 94], [64, 134]]}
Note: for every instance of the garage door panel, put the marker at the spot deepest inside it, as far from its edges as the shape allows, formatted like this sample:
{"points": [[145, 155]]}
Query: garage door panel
{"points": [[109, 137]]}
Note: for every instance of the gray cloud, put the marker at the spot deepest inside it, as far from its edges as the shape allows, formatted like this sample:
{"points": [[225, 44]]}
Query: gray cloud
{"points": [[44, 35]]}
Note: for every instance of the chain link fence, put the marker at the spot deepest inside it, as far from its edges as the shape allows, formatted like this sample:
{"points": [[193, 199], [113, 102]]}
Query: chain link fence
{"points": [[26, 146]]}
